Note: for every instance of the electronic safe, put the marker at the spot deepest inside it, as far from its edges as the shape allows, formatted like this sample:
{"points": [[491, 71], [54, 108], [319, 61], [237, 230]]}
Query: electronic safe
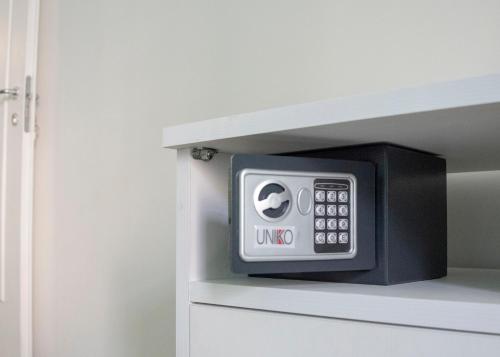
{"points": [[364, 214]]}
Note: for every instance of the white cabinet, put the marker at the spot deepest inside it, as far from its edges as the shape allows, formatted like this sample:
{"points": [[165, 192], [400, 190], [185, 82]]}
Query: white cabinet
{"points": [[229, 332], [223, 314]]}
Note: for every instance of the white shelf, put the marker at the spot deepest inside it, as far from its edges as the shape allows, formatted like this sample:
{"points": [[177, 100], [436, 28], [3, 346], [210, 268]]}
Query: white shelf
{"points": [[459, 120], [466, 300]]}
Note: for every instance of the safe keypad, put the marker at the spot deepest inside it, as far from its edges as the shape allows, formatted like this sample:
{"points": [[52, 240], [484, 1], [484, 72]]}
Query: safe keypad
{"points": [[332, 215]]}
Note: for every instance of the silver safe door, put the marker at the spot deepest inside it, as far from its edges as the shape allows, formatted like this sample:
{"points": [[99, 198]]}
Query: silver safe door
{"points": [[294, 215]]}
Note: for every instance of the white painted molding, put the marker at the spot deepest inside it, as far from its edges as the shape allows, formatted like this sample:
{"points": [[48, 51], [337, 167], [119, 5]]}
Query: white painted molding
{"points": [[27, 187]]}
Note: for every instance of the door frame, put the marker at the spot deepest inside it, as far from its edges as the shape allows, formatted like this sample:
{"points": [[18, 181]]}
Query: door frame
{"points": [[27, 184]]}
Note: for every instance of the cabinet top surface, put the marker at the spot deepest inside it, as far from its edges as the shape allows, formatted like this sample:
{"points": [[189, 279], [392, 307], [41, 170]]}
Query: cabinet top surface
{"points": [[459, 120]]}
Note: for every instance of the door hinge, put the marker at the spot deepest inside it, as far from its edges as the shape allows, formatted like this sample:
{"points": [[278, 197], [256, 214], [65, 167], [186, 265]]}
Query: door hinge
{"points": [[203, 154]]}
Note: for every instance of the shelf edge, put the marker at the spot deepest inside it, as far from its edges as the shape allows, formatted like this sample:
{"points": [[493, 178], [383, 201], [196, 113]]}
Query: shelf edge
{"points": [[432, 97], [440, 314]]}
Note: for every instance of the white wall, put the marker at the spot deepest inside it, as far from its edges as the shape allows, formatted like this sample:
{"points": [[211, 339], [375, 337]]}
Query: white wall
{"points": [[114, 72]]}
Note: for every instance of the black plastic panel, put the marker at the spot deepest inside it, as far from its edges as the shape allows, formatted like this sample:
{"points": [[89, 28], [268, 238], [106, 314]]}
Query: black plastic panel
{"points": [[334, 207]]}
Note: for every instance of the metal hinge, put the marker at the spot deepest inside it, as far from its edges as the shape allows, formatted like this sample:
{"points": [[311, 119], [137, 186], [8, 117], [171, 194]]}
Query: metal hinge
{"points": [[203, 154]]}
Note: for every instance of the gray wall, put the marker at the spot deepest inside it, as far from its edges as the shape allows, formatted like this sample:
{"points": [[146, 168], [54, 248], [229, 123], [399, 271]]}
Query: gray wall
{"points": [[113, 73]]}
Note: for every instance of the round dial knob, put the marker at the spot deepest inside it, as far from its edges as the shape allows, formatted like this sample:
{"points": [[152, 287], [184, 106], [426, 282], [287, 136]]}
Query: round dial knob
{"points": [[272, 200]]}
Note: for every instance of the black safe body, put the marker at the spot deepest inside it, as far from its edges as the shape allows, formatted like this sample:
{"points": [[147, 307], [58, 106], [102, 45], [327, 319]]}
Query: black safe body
{"points": [[411, 218]]}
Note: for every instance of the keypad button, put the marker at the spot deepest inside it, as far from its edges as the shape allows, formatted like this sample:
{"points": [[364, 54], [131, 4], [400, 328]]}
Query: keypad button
{"points": [[319, 196], [343, 196], [331, 210], [331, 238], [331, 196], [343, 210], [343, 237], [319, 223], [319, 238], [331, 223], [319, 210], [344, 224]]}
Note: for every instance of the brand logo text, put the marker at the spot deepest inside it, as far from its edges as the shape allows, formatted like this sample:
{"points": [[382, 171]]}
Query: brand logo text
{"points": [[275, 237]]}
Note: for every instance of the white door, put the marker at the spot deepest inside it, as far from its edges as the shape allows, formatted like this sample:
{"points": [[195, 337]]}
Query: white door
{"points": [[18, 43]]}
